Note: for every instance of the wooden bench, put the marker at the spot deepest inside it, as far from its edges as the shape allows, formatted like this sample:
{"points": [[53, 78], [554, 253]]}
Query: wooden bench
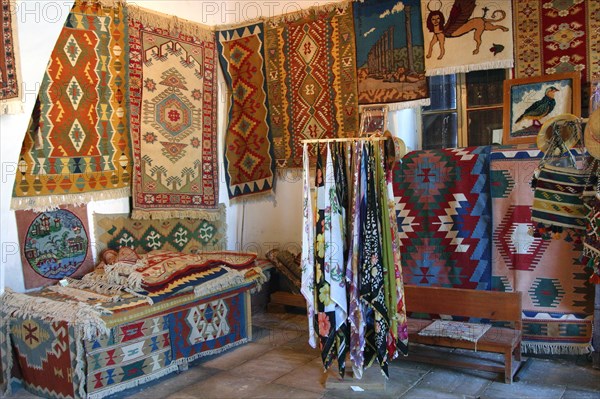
{"points": [[490, 305]]}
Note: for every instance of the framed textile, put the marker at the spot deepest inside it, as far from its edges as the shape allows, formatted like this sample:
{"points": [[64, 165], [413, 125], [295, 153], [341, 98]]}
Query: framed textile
{"points": [[54, 245], [249, 156], [76, 147], [467, 35], [311, 78], [10, 68], [389, 51], [373, 120], [529, 102], [173, 98]]}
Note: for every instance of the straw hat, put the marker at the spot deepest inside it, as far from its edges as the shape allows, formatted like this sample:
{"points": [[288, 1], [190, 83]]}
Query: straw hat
{"points": [[591, 135], [569, 135]]}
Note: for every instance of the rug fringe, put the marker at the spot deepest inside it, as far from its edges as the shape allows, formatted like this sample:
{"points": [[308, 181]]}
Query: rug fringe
{"points": [[210, 216], [253, 198], [210, 352], [53, 202], [80, 363], [296, 15], [229, 280], [78, 314], [10, 107], [171, 23], [556, 348], [422, 102], [132, 384], [504, 64]]}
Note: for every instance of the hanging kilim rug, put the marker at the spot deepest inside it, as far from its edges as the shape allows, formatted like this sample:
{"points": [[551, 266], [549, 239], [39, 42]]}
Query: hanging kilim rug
{"points": [[54, 245], [557, 297], [174, 117], [444, 217], [10, 74], [182, 235], [76, 147], [249, 157], [387, 72], [557, 36], [311, 77], [467, 35]]}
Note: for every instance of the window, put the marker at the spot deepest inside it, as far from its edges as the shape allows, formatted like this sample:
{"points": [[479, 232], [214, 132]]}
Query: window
{"points": [[465, 110]]}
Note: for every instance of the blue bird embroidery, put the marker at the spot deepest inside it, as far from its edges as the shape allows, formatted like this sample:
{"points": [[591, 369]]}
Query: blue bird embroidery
{"points": [[540, 108]]}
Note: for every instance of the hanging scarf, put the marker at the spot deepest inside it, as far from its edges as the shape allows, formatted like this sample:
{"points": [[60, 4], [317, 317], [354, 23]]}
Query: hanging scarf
{"points": [[356, 307], [372, 274], [308, 249]]}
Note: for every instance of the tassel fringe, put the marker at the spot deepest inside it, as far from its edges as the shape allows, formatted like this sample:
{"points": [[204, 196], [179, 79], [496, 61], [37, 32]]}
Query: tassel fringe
{"points": [[171, 23], [469, 68], [296, 15], [210, 216], [210, 352], [53, 202], [9, 107], [556, 349], [422, 102], [132, 384]]}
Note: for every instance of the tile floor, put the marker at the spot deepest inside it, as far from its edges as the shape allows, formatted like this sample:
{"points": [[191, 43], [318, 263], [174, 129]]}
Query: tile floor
{"points": [[278, 363]]}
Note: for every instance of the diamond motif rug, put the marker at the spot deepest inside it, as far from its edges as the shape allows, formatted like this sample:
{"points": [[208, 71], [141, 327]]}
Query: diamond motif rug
{"points": [[444, 217], [249, 157], [174, 117], [311, 77], [555, 36], [76, 147], [10, 74], [467, 35], [186, 235], [210, 326], [54, 245], [387, 73], [557, 297], [132, 354]]}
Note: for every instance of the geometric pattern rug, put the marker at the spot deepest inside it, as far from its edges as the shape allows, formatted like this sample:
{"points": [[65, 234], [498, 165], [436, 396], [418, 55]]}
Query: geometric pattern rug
{"points": [[133, 353], [249, 157], [444, 215], [381, 31], [173, 100], [311, 79], [76, 147], [557, 36], [186, 235], [557, 296], [210, 326], [10, 74]]}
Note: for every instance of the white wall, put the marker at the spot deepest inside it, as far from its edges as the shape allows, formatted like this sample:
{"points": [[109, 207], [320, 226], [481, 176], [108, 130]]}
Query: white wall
{"points": [[266, 224]]}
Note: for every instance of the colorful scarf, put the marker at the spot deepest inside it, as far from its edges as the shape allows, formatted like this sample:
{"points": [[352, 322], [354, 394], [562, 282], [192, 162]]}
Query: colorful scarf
{"points": [[76, 147], [311, 78], [382, 31], [10, 68], [556, 37], [174, 117], [249, 158], [467, 35]]}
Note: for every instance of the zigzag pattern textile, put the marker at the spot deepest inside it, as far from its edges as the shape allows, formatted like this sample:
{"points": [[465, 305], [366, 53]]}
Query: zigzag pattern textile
{"points": [[76, 147], [249, 156], [311, 78]]}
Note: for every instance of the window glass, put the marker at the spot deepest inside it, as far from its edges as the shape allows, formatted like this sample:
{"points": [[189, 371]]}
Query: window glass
{"points": [[481, 126], [440, 130], [442, 92]]}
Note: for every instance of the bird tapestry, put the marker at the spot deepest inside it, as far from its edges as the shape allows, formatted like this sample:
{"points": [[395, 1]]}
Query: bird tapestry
{"points": [[173, 117], [76, 147], [530, 102], [10, 79], [557, 37], [466, 35]]}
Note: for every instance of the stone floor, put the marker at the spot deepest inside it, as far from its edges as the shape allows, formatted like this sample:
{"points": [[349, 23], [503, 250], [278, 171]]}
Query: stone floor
{"points": [[279, 363]]}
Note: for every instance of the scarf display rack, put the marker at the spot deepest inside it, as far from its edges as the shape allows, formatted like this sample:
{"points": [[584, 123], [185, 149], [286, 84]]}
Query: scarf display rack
{"points": [[351, 268]]}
